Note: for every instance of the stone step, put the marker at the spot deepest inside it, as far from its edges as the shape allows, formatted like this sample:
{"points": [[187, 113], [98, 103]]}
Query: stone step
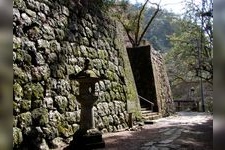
{"points": [[146, 111], [151, 117], [148, 115], [143, 109]]}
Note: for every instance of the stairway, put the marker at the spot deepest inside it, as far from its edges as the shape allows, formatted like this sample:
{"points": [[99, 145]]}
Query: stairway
{"points": [[148, 116]]}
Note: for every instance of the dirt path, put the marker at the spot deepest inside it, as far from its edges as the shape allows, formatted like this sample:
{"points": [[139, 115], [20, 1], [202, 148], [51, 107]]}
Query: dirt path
{"points": [[185, 131]]}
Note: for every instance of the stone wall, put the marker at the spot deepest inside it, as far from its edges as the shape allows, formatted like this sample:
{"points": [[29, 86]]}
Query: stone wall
{"points": [[51, 39], [163, 90], [151, 79]]}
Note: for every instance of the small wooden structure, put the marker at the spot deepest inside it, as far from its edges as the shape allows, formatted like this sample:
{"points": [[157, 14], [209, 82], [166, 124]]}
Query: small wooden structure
{"points": [[182, 105]]}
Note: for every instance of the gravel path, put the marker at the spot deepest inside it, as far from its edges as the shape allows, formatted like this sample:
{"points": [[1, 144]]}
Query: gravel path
{"points": [[184, 131]]}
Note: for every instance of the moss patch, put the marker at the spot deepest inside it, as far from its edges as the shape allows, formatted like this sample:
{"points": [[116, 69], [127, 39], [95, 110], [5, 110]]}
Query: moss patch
{"points": [[40, 117]]}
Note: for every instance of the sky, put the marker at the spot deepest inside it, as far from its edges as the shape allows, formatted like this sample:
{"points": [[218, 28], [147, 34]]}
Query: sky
{"points": [[176, 6]]}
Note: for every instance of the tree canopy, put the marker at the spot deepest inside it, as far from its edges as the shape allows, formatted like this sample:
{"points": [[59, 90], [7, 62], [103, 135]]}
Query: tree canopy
{"points": [[191, 54]]}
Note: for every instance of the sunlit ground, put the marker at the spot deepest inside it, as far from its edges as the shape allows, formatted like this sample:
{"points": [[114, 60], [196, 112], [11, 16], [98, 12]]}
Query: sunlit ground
{"points": [[185, 130]]}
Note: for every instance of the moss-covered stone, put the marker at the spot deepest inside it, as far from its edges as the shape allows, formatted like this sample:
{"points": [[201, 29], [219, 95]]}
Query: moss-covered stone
{"points": [[19, 75], [59, 34], [76, 50], [36, 104], [65, 130], [25, 105], [111, 66], [72, 103], [110, 119], [45, 72], [58, 71], [48, 32], [18, 90], [99, 123], [50, 132], [17, 43], [101, 54], [15, 121], [34, 33], [43, 44], [27, 59], [92, 53], [40, 116], [27, 91], [69, 69], [37, 91], [16, 109], [113, 95], [105, 120], [74, 87], [70, 117], [52, 58], [109, 75], [61, 103], [54, 46], [20, 55], [84, 51], [17, 137], [116, 119], [24, 120], [20, 4]]}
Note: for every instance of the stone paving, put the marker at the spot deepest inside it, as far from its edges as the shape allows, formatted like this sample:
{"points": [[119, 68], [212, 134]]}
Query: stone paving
{"points": [[183, 131], [176, 125]]}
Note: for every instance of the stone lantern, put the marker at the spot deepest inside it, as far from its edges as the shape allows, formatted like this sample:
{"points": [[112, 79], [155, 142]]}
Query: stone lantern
{"points": [[195, 105], [192, 93], [87, 137]]}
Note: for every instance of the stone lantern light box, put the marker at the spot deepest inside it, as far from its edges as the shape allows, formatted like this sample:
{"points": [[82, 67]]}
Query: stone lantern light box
{"points": [[87, 136]]}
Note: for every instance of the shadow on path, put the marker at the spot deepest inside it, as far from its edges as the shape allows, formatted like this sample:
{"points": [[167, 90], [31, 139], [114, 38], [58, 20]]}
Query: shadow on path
{"points": [[169, 133]]}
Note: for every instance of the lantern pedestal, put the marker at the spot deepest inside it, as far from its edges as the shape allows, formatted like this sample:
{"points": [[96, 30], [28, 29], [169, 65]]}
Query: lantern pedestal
{"points": [[87, 137], [89, 140]]}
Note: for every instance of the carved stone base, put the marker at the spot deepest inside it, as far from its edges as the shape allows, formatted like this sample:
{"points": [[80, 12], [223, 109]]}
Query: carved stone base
{"points": [[92, 139]]}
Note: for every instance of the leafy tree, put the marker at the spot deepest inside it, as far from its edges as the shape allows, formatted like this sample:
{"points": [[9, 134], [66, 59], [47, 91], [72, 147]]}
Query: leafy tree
{"points": [[183, 55], [192, 49]]}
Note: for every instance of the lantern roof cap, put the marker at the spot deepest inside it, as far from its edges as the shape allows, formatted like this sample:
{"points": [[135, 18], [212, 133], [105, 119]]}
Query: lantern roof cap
{"points": [[86, 73]]}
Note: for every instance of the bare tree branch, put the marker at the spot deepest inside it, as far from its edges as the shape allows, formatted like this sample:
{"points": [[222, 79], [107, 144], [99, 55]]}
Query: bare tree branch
{"points": [[149, 23], [128, 33], [138, 22]]}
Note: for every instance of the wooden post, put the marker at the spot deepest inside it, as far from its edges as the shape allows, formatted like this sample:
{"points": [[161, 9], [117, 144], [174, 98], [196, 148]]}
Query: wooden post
{"points": [[130, 120]]}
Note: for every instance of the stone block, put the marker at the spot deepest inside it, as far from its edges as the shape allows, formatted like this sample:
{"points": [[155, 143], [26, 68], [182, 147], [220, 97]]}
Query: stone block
{"points": [[25, 105], [61, 103], [24, 120], [71, 117], [17, 137], [40, 117]]}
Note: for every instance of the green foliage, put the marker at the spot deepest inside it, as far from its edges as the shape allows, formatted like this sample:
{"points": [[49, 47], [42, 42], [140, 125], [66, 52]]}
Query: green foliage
{"points": [[157, 32], [162, 27], [105, 5], [191, 55], [182, 59]]}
